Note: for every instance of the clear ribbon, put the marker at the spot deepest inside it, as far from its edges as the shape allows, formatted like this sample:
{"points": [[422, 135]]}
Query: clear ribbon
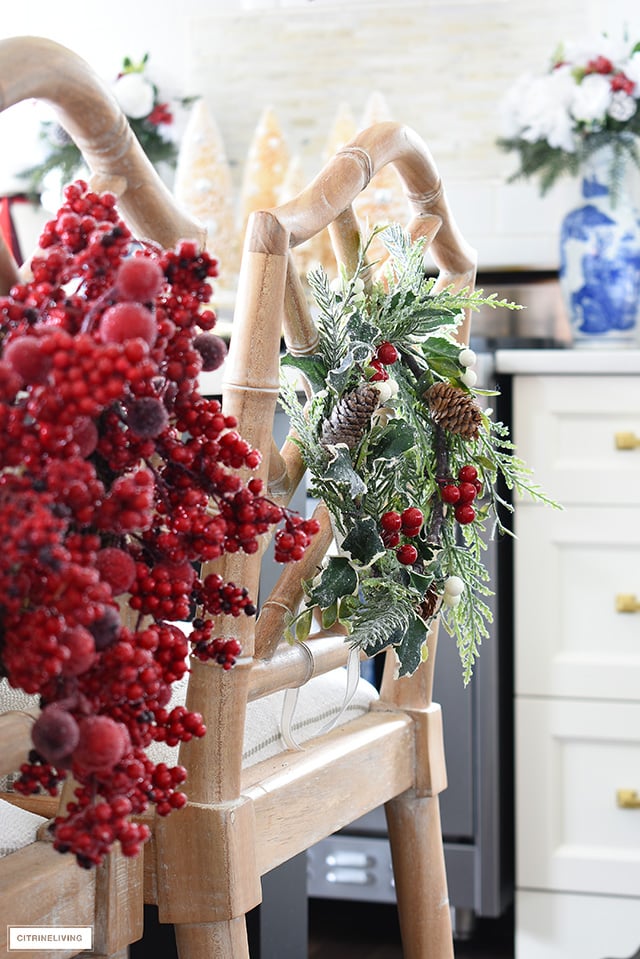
{"points": [[291, 701]]}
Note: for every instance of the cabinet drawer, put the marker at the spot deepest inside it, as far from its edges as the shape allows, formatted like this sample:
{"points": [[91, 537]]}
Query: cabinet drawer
{"points": [[571, 759], [561, 926], [565, 428], [569, 569]]}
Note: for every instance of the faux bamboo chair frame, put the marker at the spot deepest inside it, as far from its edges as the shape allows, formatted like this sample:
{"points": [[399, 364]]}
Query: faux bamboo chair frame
{"points": [[203, 865]]}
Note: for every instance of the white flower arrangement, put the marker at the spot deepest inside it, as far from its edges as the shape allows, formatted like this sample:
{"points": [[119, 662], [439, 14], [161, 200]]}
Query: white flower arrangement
{"points": [[150, 117], [588, 98], [135, 94]]}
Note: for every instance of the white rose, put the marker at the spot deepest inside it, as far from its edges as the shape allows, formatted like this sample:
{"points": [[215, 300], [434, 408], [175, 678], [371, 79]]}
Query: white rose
{"points": [[511, 119], [591, 99], [581, 51], [632, 70], [622, 106], [134, 94], [543, 112]]}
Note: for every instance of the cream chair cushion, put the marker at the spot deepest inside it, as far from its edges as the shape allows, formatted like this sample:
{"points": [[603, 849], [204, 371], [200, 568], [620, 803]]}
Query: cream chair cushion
{"points": [[320, 702], [18, 828]]}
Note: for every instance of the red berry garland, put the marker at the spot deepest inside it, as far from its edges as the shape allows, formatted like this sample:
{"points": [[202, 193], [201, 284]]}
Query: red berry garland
{"points": [[116, 480]]}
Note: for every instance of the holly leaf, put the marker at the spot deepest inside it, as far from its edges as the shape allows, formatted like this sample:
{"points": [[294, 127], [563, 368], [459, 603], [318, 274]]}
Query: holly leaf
{"points": [[303, 625], [442, 356], [361, 331], [396, 438], [337, 579], [338, 377], [419, 581], [329, 616], [363, 541], [347, 607], [340, 470], [360, 352], [410, 648], [311, 367]]}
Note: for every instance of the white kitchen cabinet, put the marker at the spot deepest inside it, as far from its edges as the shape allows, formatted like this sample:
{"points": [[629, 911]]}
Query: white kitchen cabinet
{"points": [[577, 657], [572, 836], [570, 567], [566, 428], [566, 926]]}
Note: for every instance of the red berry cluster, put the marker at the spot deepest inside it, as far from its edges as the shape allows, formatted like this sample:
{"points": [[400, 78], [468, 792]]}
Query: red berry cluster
{"points": [[222, 651], [116, 478], [292, 541], [461, 495], [394, 525], [386, 355]]}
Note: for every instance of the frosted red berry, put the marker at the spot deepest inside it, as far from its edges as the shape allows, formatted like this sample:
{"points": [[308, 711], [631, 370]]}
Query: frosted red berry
{"points": [[117, 567], [450, 493], [411, 519], [467, 474], [468, 492], [465, 513], [27, 358], [407, 554], [147, 417], [387, 353], [212, 349], [55, 735], [139, 278], [391, 521], [102, 743], [128, 321]]}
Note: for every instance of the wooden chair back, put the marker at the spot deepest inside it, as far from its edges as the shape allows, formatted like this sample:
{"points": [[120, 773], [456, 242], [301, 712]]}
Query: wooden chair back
{"points": [[204, 864], [240, 823]]}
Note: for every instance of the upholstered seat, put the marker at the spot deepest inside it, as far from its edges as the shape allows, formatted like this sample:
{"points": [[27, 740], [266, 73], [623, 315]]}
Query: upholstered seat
{"points": [[18, 827]]}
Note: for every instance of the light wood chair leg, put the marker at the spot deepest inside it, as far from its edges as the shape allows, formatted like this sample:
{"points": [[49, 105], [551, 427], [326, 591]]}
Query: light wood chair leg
{"points": [[213, 940], [421, 882]]}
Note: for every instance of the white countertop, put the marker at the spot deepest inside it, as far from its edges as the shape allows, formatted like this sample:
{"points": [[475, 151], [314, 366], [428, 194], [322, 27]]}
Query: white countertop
{"points": [[567, 361]]}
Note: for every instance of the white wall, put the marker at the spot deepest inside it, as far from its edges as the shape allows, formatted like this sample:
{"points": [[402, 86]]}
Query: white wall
{"points": [[441, 65]]}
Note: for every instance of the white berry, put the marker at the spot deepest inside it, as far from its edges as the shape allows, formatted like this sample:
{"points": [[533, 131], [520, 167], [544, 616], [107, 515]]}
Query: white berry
{"points": [[450, 600], [469, 378], [454, 586], [467, 357], [385, 391]]}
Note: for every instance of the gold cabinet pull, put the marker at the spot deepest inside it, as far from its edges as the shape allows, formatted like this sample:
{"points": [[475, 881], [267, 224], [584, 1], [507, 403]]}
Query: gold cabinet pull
{"points": [[627, 798], [627, 441], [627, 603]]}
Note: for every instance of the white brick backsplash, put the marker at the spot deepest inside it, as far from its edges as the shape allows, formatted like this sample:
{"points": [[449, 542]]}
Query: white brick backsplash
{"points": [[441, 65]]}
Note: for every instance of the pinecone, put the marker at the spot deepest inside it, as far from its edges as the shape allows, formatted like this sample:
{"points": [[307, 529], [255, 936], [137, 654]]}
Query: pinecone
{"points": [[454, 410], [430, 604], [351, 417]]}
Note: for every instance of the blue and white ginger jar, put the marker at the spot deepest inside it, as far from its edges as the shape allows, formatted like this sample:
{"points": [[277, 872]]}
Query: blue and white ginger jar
{"points": [[600, 262]]}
